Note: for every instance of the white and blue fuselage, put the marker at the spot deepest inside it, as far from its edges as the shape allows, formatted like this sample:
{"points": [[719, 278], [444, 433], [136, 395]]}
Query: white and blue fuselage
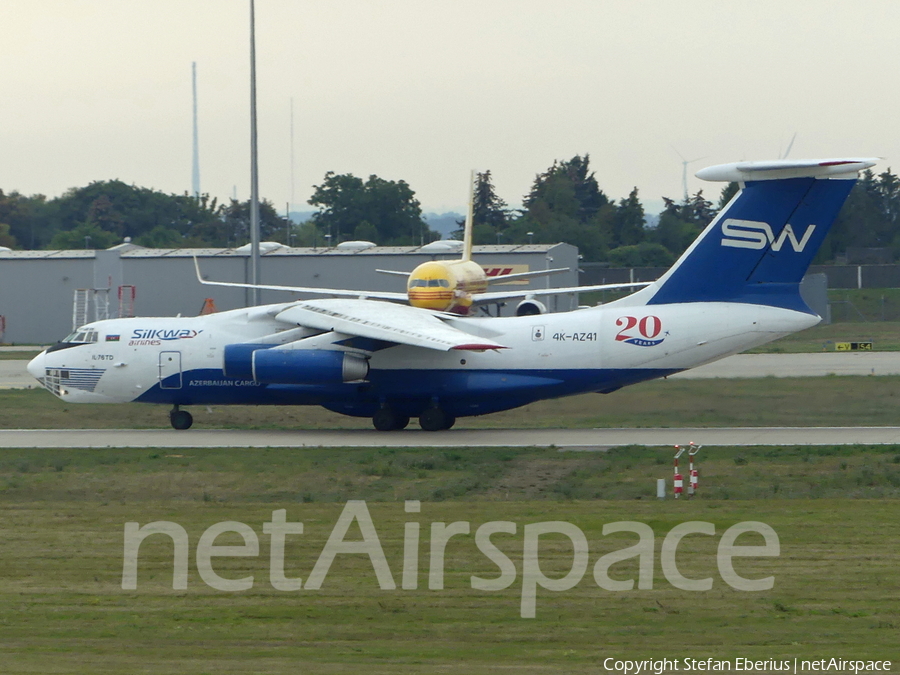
{"points": [[180, 361], [736, 287]]}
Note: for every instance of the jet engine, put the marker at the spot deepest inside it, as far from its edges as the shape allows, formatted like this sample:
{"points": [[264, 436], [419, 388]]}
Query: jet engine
{"points": [[293, 366], [530, 307]]}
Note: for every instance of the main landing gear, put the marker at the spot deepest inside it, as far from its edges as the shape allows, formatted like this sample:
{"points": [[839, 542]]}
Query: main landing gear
{"points": [[433, 419], [387, 420], [180, 419]]}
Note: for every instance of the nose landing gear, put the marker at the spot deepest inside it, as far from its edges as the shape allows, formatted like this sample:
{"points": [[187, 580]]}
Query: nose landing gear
{"points": [[180, 419]]}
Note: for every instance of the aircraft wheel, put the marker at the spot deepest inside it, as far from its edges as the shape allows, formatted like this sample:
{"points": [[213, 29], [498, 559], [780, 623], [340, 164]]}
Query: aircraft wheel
{"points": [[435, 419], [387, 420], [181, 419]]}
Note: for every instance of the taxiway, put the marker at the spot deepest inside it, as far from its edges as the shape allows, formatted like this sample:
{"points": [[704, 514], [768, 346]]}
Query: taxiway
{"points": [[564, 439]]}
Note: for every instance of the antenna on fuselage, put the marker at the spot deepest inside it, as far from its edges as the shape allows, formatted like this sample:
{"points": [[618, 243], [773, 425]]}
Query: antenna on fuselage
{"points": [[467, 230]]}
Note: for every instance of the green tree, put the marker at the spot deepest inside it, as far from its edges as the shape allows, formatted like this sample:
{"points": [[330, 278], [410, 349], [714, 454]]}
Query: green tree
{"points": [[6, 238], [29, 218], [869, 218], [161, 237], [729, 191], [231, 228], [86, 235], [129, 211], [628, 221], [680, 223], [490, 215], [567, 188], [365, 231], [565, 203], [345, 202], [645, 254]]}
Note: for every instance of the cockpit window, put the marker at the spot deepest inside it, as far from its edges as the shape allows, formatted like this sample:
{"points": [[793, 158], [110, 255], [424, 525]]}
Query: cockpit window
{"points": [[82, 337], [429, 283]]}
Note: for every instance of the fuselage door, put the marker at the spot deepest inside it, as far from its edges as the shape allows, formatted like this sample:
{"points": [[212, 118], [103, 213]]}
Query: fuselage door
{"points": [[170, 370]]}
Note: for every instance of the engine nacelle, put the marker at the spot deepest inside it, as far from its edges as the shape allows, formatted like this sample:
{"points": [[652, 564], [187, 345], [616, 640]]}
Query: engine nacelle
{"points": [[261, 363], [238, 360], [307, 366], [530, 307]]}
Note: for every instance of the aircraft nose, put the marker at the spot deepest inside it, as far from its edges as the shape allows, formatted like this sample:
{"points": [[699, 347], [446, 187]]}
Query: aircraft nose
{"points": [[36, 367]]}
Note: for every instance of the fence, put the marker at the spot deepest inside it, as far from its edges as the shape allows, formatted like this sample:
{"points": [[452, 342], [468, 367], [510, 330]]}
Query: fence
{"points": [[855, 293]]}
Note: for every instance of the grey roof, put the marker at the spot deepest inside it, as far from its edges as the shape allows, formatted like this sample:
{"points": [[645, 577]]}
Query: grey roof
{"points": [[134, 251]]}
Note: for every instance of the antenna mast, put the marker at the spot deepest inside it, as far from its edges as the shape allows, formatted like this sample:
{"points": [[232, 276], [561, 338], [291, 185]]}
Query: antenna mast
{"points": [[292, 157], [195, 173]]}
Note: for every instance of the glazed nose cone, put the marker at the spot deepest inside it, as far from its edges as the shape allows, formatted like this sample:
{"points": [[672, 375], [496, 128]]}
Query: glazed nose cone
{"points": [[36, 367]]}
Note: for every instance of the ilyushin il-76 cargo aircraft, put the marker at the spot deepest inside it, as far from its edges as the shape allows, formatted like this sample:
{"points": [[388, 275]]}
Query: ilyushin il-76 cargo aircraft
{"points": [[736, 287]]}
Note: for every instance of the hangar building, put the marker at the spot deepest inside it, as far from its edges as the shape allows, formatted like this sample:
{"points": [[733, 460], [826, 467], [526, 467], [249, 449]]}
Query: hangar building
{"points": [[38, 288]]}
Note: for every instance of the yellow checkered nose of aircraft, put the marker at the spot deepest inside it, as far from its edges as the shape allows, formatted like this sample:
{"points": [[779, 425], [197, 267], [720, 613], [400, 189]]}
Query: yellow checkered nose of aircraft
{"points": [[430, 286]]}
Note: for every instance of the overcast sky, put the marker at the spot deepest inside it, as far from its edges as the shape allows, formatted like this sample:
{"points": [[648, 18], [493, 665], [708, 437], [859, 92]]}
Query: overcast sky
{"points": [[425, 91]]}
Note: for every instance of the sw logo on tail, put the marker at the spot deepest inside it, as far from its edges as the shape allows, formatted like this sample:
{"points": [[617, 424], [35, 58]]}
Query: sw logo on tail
{"points": [[756, 235]]}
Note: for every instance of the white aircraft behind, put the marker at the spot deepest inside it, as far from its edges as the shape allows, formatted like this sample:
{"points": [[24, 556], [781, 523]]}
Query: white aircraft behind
{"points": [[736, 287]]}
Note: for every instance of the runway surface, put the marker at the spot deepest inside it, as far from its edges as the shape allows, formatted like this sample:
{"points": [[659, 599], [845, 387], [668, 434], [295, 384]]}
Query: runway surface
{"points": [[565, 439], [14, 376]]}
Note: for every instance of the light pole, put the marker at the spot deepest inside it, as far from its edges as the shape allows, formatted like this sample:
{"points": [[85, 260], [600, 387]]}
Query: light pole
{"points": [[254, 174]]}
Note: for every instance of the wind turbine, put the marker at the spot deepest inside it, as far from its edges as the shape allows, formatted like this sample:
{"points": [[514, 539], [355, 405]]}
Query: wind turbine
{"points": [[684, 166]]}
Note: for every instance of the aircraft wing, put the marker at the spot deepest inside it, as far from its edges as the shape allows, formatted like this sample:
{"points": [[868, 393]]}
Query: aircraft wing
{"points": [[334, 292], [500, 279], [383, 321], [497, 296], [503, 278]]}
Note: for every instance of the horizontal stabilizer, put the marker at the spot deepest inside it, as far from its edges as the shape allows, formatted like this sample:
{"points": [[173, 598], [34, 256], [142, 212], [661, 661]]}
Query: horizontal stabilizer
{"points": [[496, 296], [518, 276], [395, 273], [787, 168]]}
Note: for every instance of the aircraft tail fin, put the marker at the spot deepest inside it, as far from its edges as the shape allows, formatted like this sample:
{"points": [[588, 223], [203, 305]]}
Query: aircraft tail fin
{"points": [[760, 245]]}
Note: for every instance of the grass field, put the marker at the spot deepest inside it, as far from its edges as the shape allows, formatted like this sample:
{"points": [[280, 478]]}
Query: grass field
{"points": [[314, 475], [885, 336], [817, 401], [63, 609], [836, 511]]}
